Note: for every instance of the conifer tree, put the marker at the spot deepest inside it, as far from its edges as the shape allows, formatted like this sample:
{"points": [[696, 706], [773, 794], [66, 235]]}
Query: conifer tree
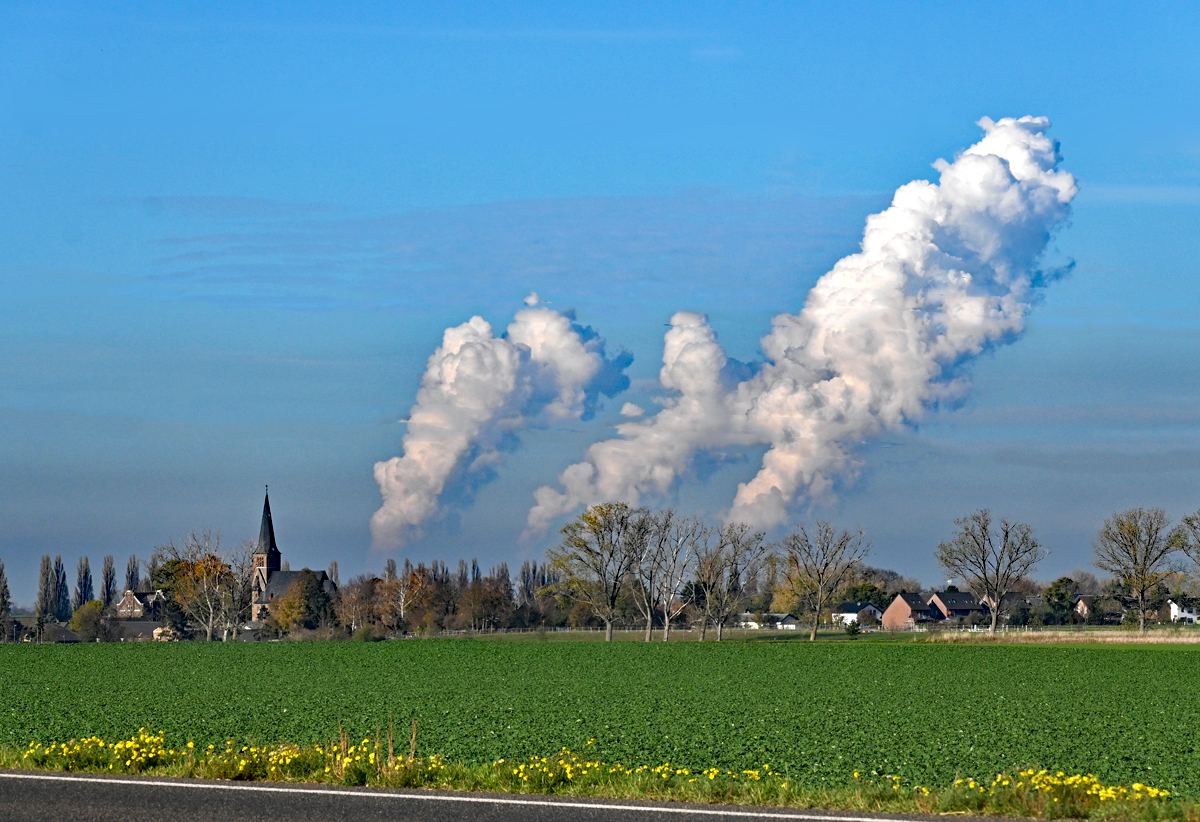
{"points": [[108, 582], [83, 585]]}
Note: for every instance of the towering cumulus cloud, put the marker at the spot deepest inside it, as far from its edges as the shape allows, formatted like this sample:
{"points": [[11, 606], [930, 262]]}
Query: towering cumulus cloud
{"points": [[946, 271], [479, 388]]}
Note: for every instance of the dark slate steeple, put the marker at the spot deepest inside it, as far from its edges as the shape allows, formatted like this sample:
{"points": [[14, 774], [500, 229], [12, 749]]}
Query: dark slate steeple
{"points": [[266, 538]]}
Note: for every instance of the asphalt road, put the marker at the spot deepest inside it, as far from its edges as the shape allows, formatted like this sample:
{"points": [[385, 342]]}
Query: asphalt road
{"points": [[28, 796]]}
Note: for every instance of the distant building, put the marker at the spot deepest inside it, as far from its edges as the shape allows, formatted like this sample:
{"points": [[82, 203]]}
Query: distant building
{"points": [[906, 612], [140, 605], [269, 580], [849, 612], [955, 605], [1182, 613]]}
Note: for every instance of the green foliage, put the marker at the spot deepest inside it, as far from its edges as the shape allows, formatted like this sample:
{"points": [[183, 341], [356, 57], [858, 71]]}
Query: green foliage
{"points": [[815, 712]]}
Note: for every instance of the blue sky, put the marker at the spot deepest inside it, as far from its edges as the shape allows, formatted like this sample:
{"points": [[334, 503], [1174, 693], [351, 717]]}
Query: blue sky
{"points": [[232, 234]]}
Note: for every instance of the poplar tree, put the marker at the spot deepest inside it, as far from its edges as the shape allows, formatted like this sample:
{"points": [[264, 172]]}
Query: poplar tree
{"points": [[45, 607], [132, 577], [83, 584], [108, 582], [5, 604], [62, 592]]}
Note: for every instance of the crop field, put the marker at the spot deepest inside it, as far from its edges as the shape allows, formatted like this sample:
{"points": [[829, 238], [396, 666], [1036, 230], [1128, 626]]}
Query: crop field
{"points": [[925, 712]]}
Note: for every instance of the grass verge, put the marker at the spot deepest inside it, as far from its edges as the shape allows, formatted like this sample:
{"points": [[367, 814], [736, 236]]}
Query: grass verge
{"points": [[376, 762]]}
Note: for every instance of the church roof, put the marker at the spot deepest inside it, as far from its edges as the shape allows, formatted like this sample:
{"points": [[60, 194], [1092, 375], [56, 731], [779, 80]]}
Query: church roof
{"points": [[266, 534]]}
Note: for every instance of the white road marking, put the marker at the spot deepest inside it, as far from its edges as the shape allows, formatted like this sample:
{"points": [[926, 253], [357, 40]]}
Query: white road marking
{"points": [[485, 800]]}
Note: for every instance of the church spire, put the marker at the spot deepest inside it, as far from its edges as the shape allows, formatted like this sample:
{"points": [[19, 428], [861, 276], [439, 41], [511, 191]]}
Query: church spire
{"points": [[266, 534]]}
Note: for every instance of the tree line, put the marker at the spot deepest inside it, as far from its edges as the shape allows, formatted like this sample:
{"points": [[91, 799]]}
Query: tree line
{"points": [[620, 566]]}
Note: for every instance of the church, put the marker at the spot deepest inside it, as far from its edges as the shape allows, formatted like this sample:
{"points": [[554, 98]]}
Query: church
{"points": [[270, 580]]}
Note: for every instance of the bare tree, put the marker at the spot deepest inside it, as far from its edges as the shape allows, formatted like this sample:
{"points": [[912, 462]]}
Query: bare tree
{"points": [[598, 553], [389, 569], [725, 569], [202, 578], [819, 563], [990, 563], [356, 601], [1134, 545], [108, 582], [239, 597], [676, 559], [398, 593], [647, 571]]}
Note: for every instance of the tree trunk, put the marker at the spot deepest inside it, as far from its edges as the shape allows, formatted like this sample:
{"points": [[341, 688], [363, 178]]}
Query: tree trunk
{"points": [[666, 627], [995, 616], [703, 628], [720, 630], [650, 625], [608, 630]]}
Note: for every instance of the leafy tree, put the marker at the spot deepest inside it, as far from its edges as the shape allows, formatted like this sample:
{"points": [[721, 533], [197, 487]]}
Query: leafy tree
{"points": [[108, 582], [197, 577], [62, 592], [598, 552], [83, 584], [869, 592], [305, 604], [1134, 546], [990, 562], [819, 562], [92, 621], [1060, 598]]}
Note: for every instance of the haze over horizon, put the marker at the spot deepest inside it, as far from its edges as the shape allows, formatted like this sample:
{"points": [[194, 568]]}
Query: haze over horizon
{"points": [[233, 237]]}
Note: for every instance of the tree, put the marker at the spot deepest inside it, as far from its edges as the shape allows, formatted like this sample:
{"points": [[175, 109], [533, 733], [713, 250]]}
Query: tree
{"points": [[5, 604], [83, 584], [45, 607], [675, 560], [305, 604], [397, 594], [990, 563], [333, 573], [389, 569], [1134, 546], [239, 594], [92, 622], [62, 592], [198, 578], [132, 574], [1060, 598], [598, 552], [356, 602], [726, 569], [819, 563], [108, 582]]}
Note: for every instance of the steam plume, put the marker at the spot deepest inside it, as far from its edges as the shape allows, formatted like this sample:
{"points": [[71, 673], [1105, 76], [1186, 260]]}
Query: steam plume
{"points": [[477, 389], [946, 271]]}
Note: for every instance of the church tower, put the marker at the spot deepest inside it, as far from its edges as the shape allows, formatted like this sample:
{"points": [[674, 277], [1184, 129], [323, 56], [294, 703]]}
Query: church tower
{"points": [[267, 560]]}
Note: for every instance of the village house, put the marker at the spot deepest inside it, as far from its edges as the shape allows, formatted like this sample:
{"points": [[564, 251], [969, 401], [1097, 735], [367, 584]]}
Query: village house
{"points": [[906, 612], [955, 605], [1182, 613], [849, 612], [778, 622], [140, 605]]}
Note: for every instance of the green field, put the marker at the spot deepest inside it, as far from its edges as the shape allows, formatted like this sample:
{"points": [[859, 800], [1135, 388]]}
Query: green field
{"points": [[927, 712]]}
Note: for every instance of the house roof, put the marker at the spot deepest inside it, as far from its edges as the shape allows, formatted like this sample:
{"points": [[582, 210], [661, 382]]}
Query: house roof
{"points": [[958, 600], [280, 581], [853, 607], [913, 601]]}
